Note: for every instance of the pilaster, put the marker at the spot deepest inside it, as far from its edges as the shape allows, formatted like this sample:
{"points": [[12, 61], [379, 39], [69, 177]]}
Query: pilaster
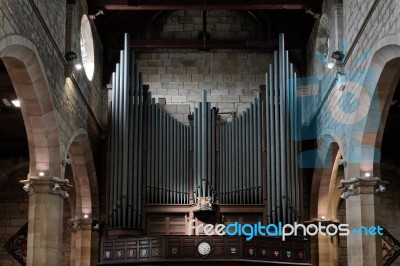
{"points": [[363, 209], [45, 222]]}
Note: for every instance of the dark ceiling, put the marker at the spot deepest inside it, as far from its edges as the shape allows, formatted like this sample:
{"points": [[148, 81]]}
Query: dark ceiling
{"points": [[13, 140], [136, 16], [294, 18]]}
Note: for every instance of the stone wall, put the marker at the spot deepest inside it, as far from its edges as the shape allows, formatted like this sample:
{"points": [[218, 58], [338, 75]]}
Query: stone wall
{"points": [[221, 25], [49, 41], [336, 108], [231, 77], [14, 207], [390, 204], [13, 204]]}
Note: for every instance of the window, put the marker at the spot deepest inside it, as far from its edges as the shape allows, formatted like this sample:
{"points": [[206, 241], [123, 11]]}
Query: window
{"points": [[87, 49]]}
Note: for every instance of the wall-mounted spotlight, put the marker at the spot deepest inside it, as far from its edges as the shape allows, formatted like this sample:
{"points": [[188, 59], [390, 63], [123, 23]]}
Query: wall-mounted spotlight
{"points": [[338, 55], [100, 12], [6, 102], [381, 189], [312, 13], [70, 55], [342, 162], [26, 187]]}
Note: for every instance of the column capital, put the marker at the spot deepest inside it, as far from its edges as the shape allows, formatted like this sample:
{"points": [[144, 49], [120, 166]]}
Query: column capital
{"points": [[362, 185], [46, 184], [77, 223]]}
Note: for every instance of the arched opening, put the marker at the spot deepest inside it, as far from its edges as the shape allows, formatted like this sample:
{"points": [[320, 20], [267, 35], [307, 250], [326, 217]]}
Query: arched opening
{"points": [[84, 200], [324, 200], [31, 87], [375, 94], [390, 171], [32, 90]]}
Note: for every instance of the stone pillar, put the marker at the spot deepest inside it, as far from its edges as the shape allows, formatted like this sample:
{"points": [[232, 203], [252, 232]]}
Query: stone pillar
{"points": [[81, 241], [363, 209], [45, 222]]}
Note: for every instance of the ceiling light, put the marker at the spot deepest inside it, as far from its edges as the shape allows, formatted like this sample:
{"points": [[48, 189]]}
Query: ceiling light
{"points": [[16, 103]]}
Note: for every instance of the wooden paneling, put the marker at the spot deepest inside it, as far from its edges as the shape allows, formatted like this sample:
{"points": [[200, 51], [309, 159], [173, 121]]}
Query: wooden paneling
{"points": [[164, 249], [160, 224]]}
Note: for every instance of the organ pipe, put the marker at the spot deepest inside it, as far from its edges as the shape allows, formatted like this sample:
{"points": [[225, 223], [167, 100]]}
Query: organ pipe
{"points": [[283, 183], [174, 162]]}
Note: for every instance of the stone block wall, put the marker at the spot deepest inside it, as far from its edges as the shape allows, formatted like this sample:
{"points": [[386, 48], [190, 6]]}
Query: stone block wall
{"points": [[221, 25], [335, 107], [231, 78], [178, 111], [13, 203], [70, 109], [390, 204]]}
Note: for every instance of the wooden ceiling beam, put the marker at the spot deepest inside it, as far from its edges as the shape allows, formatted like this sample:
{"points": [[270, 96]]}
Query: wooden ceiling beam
{"points": [[210, 44], [207, 5]]}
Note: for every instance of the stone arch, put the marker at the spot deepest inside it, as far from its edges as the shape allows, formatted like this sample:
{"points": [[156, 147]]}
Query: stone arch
{"points": [[31, 86], [375, 94], [85, 205], [328, 154], [84, 172], [325, 197]]}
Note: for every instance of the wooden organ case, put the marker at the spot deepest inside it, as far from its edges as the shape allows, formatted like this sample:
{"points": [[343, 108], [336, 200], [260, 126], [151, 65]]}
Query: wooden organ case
{"points": [[165, 178]]}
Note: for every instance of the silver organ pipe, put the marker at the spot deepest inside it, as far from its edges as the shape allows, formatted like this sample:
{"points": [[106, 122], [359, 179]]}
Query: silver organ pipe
{"points": [[156, 159]]}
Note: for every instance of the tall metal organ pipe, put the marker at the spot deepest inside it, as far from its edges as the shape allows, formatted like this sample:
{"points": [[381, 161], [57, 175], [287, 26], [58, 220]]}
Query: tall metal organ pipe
{"points": [[281, 134], [240, 158], [204, 149], [174, 162], [165, 147]]}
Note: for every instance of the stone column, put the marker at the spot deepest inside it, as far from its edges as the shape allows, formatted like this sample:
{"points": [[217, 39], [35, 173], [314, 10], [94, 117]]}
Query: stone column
{"points": [[363, 209], [81, 241], [45, 222]]}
